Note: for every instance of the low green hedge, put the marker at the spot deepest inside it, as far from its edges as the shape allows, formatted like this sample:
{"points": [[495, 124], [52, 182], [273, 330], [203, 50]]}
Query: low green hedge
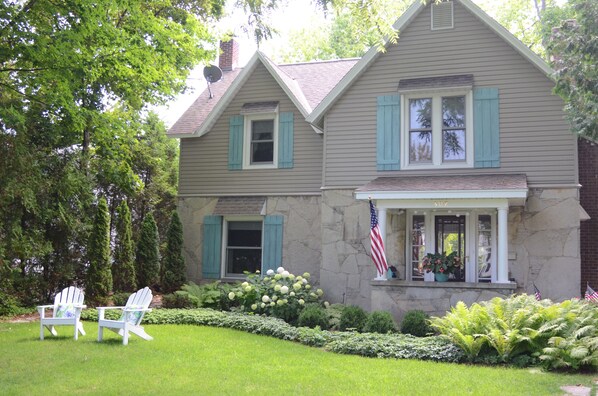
{"points": [[396, 346]]}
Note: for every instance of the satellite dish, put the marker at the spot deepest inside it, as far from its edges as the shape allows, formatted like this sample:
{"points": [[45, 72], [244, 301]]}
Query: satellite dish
{"points": [[212, 74]]}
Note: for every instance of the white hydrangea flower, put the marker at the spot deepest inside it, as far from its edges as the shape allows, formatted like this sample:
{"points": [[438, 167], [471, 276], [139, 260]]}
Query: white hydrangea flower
{"points": [[263, 305], [277, 276], [280, 302], [308, 287], [277, 288], [299, 278], [306, 275], [272, 304], [292, 294], [274, 298], [304, 281], [270, 272], [280, 270], [265, 299], [320, 292], [284, 289], [285, 274], [254, 306], [247, 288], [244, 284], [257, 272], [326, 304], [297, 286], [313, 295], [301, 301], [291, 276], [231, 295]]}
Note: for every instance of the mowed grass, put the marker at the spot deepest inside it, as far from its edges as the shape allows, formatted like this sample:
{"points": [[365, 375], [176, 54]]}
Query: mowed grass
{"points": [[213, 361]]}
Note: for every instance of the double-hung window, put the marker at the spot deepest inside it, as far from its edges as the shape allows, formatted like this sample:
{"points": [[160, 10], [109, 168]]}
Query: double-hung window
{"points": [[261, 137], [242, 246], [437, 129]]}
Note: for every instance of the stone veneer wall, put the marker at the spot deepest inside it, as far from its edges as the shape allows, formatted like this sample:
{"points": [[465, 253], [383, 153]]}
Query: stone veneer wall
{"points": [[544, 243], [543, 248], [301, 250]]}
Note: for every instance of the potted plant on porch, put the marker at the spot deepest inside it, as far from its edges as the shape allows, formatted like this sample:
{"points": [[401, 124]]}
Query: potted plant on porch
{"points": [[441, 264]]}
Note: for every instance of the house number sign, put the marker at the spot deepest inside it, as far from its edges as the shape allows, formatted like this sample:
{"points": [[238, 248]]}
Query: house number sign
{"points": [[440, 204]]}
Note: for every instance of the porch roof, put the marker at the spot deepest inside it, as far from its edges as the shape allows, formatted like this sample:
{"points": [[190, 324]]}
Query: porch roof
{"points": [[488, 186]]}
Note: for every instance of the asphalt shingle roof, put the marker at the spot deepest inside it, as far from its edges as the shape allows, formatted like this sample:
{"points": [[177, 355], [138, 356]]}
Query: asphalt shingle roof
{"points": [[310, 82]]}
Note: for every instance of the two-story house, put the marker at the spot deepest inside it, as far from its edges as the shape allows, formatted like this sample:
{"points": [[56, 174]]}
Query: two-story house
{"points": [[453, 132]]}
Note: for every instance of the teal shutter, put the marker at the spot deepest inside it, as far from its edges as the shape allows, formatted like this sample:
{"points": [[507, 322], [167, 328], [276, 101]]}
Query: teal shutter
{"points": [[235, 143], [388, 133], [272, 250], [285, 140], [212, 246], [486, 128]]}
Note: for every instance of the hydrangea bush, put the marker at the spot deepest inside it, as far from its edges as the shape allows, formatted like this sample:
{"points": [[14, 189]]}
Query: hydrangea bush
{"points": [[279, 294]]}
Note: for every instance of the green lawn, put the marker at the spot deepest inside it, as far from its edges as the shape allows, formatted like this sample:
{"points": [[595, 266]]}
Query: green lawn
{"points": [[213, 361]]}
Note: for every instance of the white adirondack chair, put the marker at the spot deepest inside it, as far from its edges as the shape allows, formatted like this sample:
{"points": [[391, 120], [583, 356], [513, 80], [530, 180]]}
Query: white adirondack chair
{"points": [[130, 320], [67, 312]]}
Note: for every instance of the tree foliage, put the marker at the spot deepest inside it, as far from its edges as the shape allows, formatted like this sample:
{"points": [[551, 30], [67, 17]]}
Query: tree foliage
{"points": [[123, 268], [98, 282], [174, 263], [147, 256], [574, 46]]}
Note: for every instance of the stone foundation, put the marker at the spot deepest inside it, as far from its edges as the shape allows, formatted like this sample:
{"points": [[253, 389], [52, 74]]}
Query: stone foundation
{"points": [[399, 297]]}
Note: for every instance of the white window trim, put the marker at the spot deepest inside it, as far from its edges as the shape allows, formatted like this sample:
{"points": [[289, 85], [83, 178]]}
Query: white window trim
{"points": [[437, 162], [225, 221], [247, 140], [471, 242]]}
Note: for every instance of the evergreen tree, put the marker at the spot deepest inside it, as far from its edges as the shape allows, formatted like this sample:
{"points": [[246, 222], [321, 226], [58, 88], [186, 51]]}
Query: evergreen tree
{"points": [[148, 254], [98, 282], [174, 263], [123, 268]]}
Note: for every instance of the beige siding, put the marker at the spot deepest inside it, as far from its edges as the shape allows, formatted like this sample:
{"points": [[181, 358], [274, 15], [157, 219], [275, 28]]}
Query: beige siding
{"points": [[204, 160], [534, 136]]}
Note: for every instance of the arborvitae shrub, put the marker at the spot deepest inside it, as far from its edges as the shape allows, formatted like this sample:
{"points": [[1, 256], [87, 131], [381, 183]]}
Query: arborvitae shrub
{"points": [[123, 269], [416, 323], [353, 317], [313, 315], [98, 283], [174, 263], [380, 322], [147, 257]]}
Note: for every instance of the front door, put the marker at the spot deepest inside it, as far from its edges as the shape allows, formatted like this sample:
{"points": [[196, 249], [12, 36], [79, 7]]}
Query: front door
{"points": [[450, 237]]}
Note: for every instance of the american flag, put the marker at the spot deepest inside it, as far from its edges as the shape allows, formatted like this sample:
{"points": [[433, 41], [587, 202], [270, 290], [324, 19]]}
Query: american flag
{"points": [[537, 293], [591, 294], [377, 243]]}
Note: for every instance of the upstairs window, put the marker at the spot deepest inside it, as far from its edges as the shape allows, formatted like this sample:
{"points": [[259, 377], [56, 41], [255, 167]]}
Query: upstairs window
{"points": [[261, 137], [262, 142], [437, 130]]}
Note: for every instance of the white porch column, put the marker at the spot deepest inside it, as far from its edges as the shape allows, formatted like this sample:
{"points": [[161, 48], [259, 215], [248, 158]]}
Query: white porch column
{"points": [[503, 245], [382, 225]]}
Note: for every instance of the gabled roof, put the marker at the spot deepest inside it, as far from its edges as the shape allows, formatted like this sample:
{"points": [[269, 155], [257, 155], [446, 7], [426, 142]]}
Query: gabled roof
{"points": [[306, 84], [315, 118]]}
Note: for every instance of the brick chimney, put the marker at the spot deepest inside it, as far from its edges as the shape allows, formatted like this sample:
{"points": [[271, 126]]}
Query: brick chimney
{"points": [[229, 55]]}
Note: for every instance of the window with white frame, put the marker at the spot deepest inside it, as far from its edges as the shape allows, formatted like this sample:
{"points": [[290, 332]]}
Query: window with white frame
{"points": [[471, 233], [437, 129], [242, 246], [261, 137]]}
